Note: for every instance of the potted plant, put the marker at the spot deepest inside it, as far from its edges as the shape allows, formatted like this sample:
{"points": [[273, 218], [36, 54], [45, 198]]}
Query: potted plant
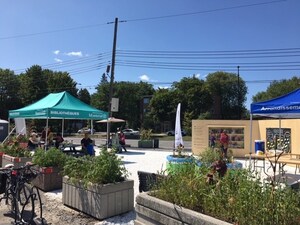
{"points": [[97, 185], [15, 151], [178, 160], [50, 164], [145, 139]]}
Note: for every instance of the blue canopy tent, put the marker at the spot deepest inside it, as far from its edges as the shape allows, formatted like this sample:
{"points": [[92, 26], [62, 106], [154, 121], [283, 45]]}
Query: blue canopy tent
{"points": [[286, 106]]}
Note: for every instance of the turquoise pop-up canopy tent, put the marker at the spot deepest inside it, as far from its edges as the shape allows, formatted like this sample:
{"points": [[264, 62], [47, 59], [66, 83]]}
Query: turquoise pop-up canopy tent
{"points": [[60, 105]]}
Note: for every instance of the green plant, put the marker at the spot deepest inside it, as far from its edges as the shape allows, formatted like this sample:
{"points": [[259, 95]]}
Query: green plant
{"points": [[52, 157], [102, 169], [208, 156], [145, 134], [16, 147], [236, 198]]}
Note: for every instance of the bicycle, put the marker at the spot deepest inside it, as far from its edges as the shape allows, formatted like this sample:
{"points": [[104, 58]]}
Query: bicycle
{"points": [[20, 195]]}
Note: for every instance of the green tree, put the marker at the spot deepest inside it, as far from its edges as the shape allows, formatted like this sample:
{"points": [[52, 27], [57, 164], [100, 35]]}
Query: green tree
{"points": [[60, 81], [100, 99], [9, 87], [162, 105], [277, 88], [193, 94], [33, 85], [130, 99], [84, 96], [228, 93]]}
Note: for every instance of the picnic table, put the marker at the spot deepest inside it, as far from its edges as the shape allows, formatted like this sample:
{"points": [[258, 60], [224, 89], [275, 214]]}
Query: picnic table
{"points": [[291, 158], [271, 155], [72, 149]]}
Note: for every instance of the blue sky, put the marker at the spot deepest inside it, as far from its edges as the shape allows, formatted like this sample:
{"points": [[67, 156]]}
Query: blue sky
{"points": [[73, 36]]}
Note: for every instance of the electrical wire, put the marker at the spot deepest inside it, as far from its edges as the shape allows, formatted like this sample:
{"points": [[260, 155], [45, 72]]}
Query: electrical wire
{"points": [[204, 11], [140, 19]]}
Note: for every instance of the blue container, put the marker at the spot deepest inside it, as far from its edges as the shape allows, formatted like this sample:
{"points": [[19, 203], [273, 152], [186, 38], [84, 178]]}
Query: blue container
{"points": [[90, 150], [259, 145]]}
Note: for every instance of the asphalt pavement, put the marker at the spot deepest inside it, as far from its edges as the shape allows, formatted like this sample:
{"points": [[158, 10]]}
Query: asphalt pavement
{"points": [[133, 143]]}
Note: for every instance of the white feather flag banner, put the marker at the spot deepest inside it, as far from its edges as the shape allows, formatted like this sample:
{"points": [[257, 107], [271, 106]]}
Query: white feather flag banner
{"points": [[178, 134]]}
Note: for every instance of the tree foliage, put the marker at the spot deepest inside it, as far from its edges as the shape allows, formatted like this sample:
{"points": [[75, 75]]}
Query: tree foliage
{"points": [[60, 81], [228, 93], [33, 85], [277, 88], [193, 95], [9, 87], [130, 97], [163, 106], [84, 95]]}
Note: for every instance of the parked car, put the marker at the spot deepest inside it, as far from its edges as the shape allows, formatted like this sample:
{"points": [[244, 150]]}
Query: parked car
{"points": [[85, 130], [130, 132], [172, 132]]}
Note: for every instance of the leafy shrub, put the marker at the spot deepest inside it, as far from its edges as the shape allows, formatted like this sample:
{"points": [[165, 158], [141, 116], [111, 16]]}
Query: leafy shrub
{"points": [[102, 169], [208, 156], [52, 157], [145, 134], [236, 198], [16, 146]]}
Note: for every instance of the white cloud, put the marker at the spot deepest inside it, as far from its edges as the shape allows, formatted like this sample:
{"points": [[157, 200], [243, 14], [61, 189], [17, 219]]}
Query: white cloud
{"points": [[79, 54], [57, 60], [197, 75], [56, 52], [144, 77]]}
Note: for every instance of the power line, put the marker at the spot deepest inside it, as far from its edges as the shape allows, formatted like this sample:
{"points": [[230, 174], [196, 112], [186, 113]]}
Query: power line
{"points": [[102, 58], [204, 11], [138, 20], [52, 31], [233, 69]]}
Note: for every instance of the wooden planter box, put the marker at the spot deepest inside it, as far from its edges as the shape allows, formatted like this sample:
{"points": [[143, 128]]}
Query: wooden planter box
{"points": [[48, 179], [16, 161], [151, 210], [99, 201], [145, 144]]}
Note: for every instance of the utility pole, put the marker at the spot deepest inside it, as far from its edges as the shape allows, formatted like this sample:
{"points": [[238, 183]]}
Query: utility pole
{"points": [[112, 76], [238, 92]]}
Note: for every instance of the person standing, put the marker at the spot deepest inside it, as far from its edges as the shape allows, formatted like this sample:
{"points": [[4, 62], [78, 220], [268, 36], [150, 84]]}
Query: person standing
{"points": [[122, 141], [212, 140], [224, 141]]}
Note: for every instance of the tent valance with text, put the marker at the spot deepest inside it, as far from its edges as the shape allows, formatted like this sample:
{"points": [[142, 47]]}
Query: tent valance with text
{"points": [[286, 106], [60, 105]]}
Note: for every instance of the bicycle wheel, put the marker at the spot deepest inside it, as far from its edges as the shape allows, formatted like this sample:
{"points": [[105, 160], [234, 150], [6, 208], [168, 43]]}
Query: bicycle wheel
{"points": [[8, 196], [25, 204]]}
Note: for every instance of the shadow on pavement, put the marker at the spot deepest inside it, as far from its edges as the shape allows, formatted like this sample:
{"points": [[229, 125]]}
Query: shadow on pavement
{"points": [[131, 153]]}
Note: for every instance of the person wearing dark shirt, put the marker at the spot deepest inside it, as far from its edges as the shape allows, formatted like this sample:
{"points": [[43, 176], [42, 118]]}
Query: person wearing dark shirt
{"points": [[87, 144], [58, 140], [33, 141]]}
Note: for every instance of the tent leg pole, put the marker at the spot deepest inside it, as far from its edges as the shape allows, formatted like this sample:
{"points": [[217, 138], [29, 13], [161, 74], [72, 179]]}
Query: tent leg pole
{"points": [[46, 140], [250, 137], [62, 127]]}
